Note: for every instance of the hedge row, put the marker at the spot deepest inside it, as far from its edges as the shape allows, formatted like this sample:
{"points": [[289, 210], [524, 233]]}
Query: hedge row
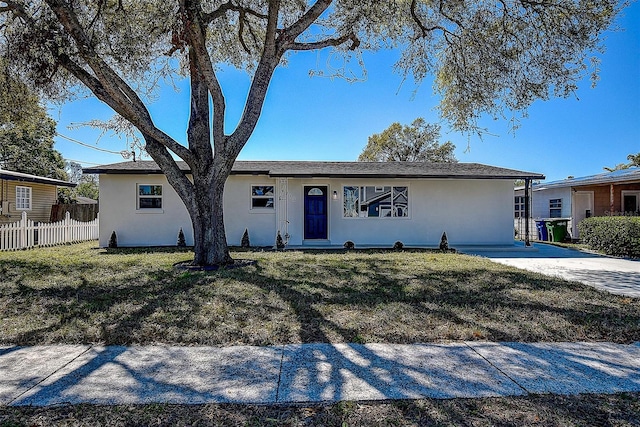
{"points": [[613, 235]]}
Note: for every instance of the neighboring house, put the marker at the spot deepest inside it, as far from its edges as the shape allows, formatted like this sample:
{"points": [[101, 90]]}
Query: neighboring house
{"points": [[320, 203], [610, 193], [21, 192]]}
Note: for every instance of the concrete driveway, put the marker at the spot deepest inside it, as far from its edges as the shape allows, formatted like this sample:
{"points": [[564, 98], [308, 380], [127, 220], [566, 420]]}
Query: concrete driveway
{"points": [[615, 275]]}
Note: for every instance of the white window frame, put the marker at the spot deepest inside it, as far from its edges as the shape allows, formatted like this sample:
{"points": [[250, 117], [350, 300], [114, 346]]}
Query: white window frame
{"points": [[551, 207], [629, 193], [519, 206], [155, 196], [377, 189], [262, 209], [20, 199]]}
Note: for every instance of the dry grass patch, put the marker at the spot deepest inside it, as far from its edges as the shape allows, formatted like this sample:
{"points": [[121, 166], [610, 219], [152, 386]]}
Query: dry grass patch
{"points": [[541, 410], [81, 294]]}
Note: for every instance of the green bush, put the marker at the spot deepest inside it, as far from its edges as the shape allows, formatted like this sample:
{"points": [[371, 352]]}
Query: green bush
{"points": [[613, 235]]}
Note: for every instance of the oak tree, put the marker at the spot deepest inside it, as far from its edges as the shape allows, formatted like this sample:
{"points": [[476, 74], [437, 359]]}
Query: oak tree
{"points": [[486, 56], [417, 142], [26, 131]]}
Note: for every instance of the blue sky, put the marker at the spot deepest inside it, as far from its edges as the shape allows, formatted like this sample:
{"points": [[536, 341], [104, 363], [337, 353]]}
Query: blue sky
{"points": [[319, 118]]}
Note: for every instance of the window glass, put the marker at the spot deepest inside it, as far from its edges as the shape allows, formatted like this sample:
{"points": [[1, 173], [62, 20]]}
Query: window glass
{"points": [[23, 198], [375, 202], [401, 201], [519, 206], [555, 208], [351, 202], [149, 196], [262, 196]]}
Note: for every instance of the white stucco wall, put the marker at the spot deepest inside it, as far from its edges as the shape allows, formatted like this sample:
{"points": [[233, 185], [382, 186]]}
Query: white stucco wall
{"points": [[540, 202], [470, 211]]}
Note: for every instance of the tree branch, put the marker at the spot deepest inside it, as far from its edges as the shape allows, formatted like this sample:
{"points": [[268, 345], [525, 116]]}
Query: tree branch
{"points": [[269, 60], [290, 34], [321, 44], [197, 39], [122, 98], [425, 30], [207, 18], [17, 9]]}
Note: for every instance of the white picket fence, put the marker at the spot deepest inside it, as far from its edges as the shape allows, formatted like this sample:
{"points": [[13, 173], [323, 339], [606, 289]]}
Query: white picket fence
{"points": [[26, 234]]}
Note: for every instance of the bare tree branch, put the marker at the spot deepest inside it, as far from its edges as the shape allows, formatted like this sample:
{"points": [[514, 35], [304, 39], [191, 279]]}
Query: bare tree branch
{"points": [[124, 100], [207, 18], [197, 38], [289, 35], [331, 42], [269, 60]]}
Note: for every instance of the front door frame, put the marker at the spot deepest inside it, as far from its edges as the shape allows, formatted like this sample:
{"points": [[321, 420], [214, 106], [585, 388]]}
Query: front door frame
{"points": [[577, 216], [305, 191]]}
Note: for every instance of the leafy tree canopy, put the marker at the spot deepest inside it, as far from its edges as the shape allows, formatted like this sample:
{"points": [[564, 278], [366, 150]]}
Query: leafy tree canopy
{"points": [[88, 184], [26, 131], [487, 57], [417, 142]]}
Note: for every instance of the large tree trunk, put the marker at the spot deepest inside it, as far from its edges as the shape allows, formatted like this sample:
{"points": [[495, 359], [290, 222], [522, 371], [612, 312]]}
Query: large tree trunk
{"points": [[209, 235]]}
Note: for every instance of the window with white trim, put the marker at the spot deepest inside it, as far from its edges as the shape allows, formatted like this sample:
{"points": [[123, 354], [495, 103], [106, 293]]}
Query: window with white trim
{"points": [[262, 197], [23, 198], [519, 207], [149, 196], [375, 202], [555, 208]]}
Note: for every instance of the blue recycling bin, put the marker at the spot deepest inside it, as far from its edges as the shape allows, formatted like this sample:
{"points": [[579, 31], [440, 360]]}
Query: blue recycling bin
{"points": [[543, 234]]}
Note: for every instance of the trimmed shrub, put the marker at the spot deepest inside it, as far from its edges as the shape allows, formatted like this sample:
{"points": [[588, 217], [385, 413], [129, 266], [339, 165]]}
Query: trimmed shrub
{"points": [[349, 245], [113, 240], [613, 235], [244, 243], [444, 243], [181, 241], [279, 241], [398, 245]]}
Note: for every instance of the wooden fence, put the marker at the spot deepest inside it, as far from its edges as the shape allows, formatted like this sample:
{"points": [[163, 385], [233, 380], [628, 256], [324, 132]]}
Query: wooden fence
{"points": [[26, 234], [79, 212]]}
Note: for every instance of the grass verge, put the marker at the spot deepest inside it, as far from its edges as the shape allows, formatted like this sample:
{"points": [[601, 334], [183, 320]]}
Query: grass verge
{"points": [[538, 410], [81, 294]]}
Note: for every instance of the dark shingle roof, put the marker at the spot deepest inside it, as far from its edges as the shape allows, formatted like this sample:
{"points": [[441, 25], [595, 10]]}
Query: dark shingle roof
{"points": [[299, 169], [25, 177]]}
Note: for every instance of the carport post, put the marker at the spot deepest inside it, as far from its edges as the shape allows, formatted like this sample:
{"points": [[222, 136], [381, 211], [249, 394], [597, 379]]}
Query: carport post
{"points": [[527, 183]]}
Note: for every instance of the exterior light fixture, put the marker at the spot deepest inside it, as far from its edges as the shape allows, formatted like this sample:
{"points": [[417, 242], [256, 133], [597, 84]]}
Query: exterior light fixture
{"points": [[335, 195]]}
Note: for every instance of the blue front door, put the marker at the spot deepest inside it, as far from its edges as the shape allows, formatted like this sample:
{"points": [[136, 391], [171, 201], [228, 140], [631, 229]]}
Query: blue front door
{"points": [[315, 212]]}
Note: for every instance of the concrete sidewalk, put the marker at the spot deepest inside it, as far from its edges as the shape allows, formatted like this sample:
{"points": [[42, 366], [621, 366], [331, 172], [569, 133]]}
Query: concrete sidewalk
{"points": [[616, 275], [307, 373]]}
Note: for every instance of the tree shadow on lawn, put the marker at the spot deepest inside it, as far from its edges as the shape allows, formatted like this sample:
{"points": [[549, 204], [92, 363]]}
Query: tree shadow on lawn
{"points": [[286, 301], [476, 304]]}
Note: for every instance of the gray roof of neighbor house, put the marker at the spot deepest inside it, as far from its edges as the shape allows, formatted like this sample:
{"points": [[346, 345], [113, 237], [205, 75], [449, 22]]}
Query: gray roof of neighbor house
{"points": [[619, 176], [299, 169], [25, 177]]}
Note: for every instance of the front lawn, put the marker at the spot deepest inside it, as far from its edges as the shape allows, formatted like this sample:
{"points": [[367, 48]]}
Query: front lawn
{"points": [[81, 294]]}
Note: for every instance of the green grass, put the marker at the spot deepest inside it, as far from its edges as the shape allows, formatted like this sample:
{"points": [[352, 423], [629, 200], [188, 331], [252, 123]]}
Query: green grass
{"points": [[81, 294]]}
